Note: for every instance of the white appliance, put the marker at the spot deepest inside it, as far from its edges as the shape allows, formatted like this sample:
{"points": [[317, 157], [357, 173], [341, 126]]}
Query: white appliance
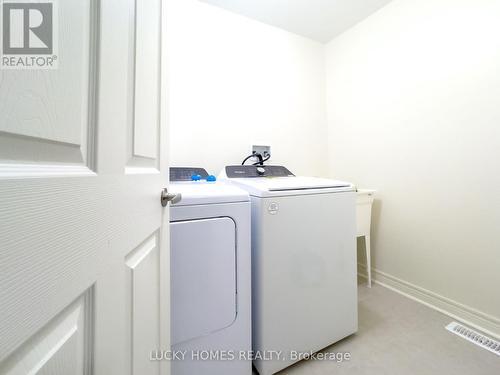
{"points": [[304, 287], [210, 275]]}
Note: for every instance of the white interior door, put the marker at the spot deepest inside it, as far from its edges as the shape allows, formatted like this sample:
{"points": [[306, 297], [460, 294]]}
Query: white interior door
{"points": [[84, 259]]}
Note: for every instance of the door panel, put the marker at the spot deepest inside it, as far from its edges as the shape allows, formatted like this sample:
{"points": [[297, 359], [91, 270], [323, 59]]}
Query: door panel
{"points": [[48, 116], [63, 346], [146, 84], [84, 256], [144, 293]]}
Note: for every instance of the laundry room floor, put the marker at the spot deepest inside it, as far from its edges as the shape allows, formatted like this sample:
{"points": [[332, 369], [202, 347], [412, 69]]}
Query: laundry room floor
{"points": [[400, 336]]}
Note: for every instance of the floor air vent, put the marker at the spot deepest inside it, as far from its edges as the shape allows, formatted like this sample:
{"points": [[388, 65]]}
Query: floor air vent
{"points": [[474, 337]]}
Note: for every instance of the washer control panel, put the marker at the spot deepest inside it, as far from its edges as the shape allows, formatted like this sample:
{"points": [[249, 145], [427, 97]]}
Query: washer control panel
{"points": [[249, 171]]}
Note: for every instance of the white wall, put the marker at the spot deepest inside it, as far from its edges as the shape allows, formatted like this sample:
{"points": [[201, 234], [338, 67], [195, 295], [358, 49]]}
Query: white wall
{"points": [[414, 112], [235, 82]]}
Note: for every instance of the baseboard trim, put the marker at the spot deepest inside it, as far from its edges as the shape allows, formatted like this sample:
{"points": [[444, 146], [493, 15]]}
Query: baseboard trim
{"points": [[486, 323]]}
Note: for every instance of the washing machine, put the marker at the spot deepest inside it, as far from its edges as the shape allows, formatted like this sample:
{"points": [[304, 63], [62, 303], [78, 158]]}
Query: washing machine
{"points": [[304, 277], [210, 275]]}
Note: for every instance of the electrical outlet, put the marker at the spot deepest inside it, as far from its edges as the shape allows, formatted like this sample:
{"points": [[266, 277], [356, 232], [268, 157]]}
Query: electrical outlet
{"points": [[265, 151]]}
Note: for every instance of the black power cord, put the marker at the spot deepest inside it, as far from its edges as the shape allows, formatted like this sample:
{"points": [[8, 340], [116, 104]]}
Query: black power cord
{"points": [[258, 156], [254, 155], [261, 161]]}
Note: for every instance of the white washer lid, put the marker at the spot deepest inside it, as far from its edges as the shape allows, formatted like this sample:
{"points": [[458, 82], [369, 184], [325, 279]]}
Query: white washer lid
{"points": [[281, 186], [202, 192]]}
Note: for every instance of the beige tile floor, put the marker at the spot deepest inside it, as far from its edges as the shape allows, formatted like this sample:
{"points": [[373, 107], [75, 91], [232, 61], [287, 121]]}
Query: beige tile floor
{"points": [[399, 336]]}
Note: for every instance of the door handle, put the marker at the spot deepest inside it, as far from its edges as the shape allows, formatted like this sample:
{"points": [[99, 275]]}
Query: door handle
{"points": [[169, 197]]}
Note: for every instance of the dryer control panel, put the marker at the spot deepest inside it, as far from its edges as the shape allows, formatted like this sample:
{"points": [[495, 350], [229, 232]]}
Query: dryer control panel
{"points": [[249, 171], [187, 174]]}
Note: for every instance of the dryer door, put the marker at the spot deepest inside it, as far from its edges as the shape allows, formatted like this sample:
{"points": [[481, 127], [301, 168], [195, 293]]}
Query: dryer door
{"points": [[203, 277]]}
